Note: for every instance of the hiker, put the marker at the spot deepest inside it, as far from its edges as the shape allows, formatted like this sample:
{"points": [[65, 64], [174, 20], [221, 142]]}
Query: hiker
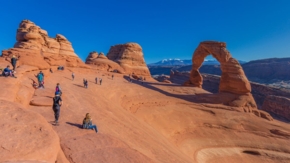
{"points": [[57, 102], [73, 76], [40, 78], [101, 81], [85, 83], [96, 79], [14, 61], [8, 72], [112, 76], [50, 70], [87, 123], [58, 89]]}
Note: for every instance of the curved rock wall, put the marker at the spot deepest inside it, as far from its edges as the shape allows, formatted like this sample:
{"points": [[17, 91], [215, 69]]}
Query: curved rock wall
{"points": [[130, 57]]}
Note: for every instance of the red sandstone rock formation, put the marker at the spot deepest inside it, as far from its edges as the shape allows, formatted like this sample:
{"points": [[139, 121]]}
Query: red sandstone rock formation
{"points": [[93, 55], [133, 121], [130, 58], [37, 49], [233, 80], [102, 56], [101, 62]]}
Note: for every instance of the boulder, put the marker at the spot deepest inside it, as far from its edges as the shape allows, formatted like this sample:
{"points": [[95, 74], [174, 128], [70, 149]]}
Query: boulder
{"points": [[130, 57], [26, 136], [93, 55]]}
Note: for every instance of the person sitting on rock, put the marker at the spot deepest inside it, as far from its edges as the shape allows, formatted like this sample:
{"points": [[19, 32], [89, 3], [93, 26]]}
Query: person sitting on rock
{"points": [[87, 123], [7, 72]]}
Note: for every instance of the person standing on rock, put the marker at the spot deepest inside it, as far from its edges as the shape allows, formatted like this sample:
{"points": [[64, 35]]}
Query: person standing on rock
{"points": [[40, 78], [14, 61], [73, 76], [57, 102], [85, 83], [112, 76], [96, 79], [101, 81]]}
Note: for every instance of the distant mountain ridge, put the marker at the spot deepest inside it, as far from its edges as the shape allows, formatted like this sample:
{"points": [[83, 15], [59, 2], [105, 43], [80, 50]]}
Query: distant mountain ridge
{"points": [[180, 62], [172, 62]]}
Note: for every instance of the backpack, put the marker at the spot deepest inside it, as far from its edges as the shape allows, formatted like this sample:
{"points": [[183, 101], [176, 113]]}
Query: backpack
{"points": [[56, 89]]}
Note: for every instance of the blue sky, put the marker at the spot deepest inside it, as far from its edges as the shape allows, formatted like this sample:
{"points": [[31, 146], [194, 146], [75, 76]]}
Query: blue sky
{"points": [[253, 29]]}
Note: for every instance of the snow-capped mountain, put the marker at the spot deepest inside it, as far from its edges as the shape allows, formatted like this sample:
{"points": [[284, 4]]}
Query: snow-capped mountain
{"points": [[171, 62], [179, 62]]}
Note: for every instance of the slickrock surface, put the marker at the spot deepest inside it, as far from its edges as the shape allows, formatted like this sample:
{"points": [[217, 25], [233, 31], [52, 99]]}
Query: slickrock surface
{"points": [[130, 57], [149, 122], [36, 48]]}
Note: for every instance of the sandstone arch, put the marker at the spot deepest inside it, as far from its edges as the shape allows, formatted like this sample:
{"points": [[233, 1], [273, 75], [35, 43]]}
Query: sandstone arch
{"points": [[233, 78]]}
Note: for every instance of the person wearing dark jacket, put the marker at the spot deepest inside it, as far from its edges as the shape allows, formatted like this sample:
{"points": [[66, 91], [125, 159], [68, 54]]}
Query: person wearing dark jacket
{"points": [[8, 72], [57, 102]]}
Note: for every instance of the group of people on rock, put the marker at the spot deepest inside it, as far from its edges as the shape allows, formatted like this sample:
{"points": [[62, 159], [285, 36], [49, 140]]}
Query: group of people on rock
{"points": [[57, 100], [100, 80], [57, 103], [11, 72]]}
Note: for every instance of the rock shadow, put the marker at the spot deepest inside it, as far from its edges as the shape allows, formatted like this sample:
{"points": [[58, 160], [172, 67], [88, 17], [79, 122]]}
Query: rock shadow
{"points": [[75, 124], [79, 85], [205, 98], [68, 78]]}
